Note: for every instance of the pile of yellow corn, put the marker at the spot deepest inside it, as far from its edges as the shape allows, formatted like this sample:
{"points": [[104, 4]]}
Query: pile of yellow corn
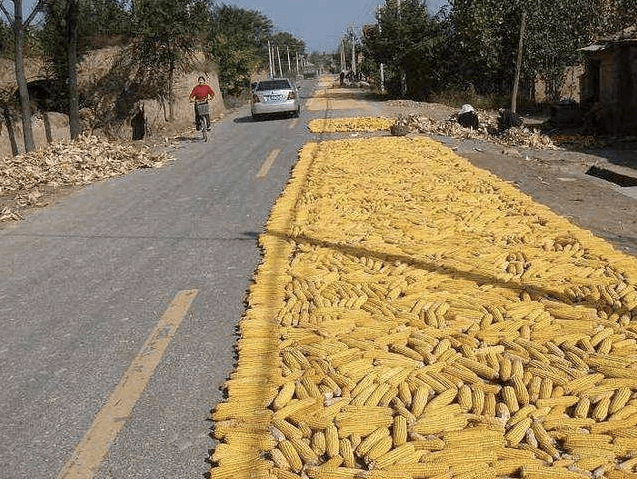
{"points": [[354, 124], [415, 316]]}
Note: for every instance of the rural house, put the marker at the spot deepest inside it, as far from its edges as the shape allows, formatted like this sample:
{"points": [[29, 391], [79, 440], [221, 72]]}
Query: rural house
{"points": [[609, 84]]}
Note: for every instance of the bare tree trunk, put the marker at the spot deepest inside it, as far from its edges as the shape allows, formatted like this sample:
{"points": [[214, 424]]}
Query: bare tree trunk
{"points": [[47, 127], [518, 66], [74, 108], [29, 143], [9, 121]]}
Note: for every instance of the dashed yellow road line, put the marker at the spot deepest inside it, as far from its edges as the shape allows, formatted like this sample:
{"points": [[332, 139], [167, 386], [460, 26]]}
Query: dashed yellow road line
{"points": [[267, 165], [110, 420]]}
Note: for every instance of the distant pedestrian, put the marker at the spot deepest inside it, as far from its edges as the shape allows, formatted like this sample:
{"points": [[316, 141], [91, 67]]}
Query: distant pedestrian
{"points": [[342, 77]]}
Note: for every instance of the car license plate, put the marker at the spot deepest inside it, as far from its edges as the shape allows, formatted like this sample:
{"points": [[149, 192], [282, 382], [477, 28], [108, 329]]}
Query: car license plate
{"points": [[274, 98]]}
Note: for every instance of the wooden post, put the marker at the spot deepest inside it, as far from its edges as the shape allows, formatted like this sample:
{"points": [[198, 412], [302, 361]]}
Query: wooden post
{"points": [[518, 66]]}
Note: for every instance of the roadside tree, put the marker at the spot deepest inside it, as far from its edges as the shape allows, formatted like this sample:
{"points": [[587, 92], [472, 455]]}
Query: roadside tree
{"points": [[19, 24]]}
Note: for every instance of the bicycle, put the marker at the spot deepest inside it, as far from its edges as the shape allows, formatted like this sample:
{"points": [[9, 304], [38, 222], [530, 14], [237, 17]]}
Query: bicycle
{"points": [[203, 110]]}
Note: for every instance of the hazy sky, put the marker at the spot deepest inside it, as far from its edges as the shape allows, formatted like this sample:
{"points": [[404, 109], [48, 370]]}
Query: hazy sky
{"points": [[320, 23]]}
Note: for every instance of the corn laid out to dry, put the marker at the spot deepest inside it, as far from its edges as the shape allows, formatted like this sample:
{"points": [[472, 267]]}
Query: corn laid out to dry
{"points": [[354, 124], [417, 317]]}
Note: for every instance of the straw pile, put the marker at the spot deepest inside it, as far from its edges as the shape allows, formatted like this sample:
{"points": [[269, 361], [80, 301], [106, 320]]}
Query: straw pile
{"points": [[418, 317], [67, 163]]}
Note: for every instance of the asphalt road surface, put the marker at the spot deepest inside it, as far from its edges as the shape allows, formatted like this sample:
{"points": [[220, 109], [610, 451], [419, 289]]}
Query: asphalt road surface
{"points": [[119, 304]]}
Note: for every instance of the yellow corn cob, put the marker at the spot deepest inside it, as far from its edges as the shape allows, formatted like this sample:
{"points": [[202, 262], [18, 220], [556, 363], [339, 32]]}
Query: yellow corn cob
{"points": [[363, 385], [619, 400], [295, 406], [546, 388], [331, 441], [291, 455], [442, 399], [419, 400], [367, 443], [345, 449], [439, 424], [582, 384], [517, 369], [510, 399], [517, 432], [284, 396], [311, 388], [318, 443], [523, 413], [377, 450], [600, 412], [521, 393], [547, 472], [279, 459], [287, 429], [399, 431], [465, 397], [477, 400], [582, 407], [306, 453], [506, 369], [404, 393], [545, 441], [392, 456], [534, 388]]}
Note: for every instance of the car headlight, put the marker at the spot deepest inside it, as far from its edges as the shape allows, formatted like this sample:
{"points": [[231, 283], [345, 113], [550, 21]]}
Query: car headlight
{"points": [[255, 99], [292, 95]]}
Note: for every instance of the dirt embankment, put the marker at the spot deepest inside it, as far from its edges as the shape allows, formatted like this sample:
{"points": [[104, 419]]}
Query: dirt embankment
{"points": [[108, 95]]}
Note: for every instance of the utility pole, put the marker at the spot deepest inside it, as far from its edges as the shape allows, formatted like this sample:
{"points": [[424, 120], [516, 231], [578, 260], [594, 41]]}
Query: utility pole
{"points": [[289, 64], [298, 72], [403, 76], [382, 66], [518, 66], [353, 38], [270, 58], [343, 62], [278, 54]]}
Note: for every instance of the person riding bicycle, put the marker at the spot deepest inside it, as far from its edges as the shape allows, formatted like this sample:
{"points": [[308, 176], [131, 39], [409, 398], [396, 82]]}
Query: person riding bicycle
{"points": [[201, 93]]}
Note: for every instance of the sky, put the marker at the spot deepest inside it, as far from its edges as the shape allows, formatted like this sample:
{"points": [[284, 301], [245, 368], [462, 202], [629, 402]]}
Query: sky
{"points": [[319, 23]]}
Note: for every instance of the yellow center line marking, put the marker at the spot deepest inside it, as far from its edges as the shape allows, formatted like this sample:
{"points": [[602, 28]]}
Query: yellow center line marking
{"points": [[294, 123], [110, 420], [265, 168]]}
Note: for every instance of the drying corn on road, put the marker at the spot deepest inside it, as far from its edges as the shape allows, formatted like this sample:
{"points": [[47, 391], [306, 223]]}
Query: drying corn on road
{"points": [[405, 305], [415, 316]]}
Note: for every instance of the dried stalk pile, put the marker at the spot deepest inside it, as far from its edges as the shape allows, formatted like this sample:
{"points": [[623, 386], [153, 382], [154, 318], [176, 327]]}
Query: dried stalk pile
{"points": [[67, 163], [418, 317], [515, 136]]}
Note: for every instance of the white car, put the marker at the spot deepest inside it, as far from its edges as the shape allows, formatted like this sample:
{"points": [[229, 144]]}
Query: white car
{"points": [[273, 96]]}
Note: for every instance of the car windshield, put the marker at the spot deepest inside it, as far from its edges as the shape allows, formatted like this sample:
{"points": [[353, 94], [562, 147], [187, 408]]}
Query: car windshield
{"points": [[273, 85]]}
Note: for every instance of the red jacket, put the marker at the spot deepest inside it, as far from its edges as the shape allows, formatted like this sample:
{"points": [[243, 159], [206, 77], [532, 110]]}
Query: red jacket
{"points": [[200, 92]]}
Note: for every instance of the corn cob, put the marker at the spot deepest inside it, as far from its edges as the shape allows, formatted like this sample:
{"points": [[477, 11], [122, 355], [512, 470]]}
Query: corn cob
{"points": [[381, 447], [291, 455], [517, 432], [399, 431], [367, 443], [392, 456], [332, 447]]}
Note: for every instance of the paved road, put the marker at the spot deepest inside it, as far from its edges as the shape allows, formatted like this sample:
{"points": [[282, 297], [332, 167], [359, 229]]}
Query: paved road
{"points": [[84, 284]]}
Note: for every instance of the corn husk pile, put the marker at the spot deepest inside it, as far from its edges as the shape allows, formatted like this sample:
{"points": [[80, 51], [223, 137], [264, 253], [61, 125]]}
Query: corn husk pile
{"points": [[515, 136], [415, 316], [67, 163]]}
